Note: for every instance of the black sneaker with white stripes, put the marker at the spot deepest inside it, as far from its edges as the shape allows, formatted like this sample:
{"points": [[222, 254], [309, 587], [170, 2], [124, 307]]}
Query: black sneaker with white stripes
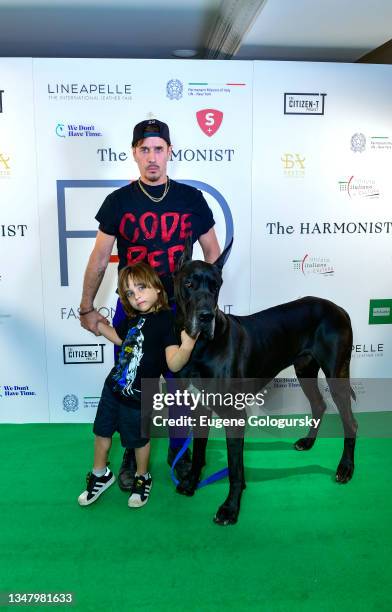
{"points": [[140, 491], [95, 486]]}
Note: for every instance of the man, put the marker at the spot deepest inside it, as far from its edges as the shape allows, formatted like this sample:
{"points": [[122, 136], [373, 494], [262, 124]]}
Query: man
{"points": [[150, 218]]}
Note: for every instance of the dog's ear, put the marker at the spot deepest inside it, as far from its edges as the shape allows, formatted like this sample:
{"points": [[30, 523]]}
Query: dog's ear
{"points": [[186, 255], [220, 262]]}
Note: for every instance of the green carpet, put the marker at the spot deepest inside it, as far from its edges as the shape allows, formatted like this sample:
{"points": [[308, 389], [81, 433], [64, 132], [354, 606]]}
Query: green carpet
{"points": [[302, 542]]}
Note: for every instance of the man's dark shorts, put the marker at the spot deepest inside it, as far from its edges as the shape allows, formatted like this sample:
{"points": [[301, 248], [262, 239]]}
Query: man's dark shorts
{"points": [[115, 415]]}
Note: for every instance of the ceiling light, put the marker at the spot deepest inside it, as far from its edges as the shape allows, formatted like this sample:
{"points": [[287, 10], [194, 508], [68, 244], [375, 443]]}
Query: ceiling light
{"points": [[184, 53]]}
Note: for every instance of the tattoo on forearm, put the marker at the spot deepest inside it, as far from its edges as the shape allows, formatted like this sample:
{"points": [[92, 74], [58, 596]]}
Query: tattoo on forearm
{"points": [[91, 285]]}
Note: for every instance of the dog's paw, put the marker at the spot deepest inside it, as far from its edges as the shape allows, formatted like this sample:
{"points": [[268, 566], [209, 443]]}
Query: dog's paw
{"points": [[304, 444], [226, 515], [188, 485], [345, 471]]}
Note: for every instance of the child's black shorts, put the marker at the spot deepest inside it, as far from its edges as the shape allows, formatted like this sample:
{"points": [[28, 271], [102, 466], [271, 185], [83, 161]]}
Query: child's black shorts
{"points": [[116, 415]]}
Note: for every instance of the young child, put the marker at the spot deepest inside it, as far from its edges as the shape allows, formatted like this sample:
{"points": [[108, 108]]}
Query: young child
{"points": [[147, 343]]}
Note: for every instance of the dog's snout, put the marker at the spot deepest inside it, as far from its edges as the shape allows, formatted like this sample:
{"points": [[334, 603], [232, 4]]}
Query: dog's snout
{"points": [[206, 316]]}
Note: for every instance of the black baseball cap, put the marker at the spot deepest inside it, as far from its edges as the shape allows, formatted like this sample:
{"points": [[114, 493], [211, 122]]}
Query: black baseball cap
{"points": [[150, 127]]}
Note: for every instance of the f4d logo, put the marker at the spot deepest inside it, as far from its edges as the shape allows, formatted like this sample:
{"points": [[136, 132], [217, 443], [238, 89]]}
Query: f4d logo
{"points": [[209, 120]]}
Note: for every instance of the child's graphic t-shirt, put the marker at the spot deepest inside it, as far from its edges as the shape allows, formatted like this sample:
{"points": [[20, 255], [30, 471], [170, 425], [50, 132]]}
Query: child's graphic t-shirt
{"points": [[142, 353]]}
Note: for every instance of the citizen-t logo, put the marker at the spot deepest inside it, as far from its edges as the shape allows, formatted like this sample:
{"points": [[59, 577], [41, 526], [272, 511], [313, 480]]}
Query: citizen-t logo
{"points": [[83, 353], [304, 103], [1, 100]]}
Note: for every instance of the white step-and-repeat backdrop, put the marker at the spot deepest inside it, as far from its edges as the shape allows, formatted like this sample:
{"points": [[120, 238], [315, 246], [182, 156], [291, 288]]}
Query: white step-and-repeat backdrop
{"points": [[293, 158]]}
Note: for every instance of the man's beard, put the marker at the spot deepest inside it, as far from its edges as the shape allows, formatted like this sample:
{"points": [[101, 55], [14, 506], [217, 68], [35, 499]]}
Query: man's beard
{"points": [[156, 177]]}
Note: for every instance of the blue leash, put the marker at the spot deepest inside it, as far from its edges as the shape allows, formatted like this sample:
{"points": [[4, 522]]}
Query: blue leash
{"points": [[209, 480]]}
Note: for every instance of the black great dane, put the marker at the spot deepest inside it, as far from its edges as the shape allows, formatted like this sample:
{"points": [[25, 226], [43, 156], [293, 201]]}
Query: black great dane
{"points": [[309, 333]]}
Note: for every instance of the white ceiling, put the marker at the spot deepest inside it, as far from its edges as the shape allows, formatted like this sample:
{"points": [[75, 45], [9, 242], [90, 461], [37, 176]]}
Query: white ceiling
{"points": [[333, 30], [329, 30]]}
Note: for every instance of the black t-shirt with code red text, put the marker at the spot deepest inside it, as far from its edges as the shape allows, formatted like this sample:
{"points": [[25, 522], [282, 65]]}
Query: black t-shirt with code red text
{"points": [[154, 232]]}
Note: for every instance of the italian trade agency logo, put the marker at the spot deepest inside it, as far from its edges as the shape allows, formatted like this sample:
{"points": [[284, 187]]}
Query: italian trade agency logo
{"points": [[209, 120], [314, 265], [174, 89], [380, 312], [356, 187]]}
